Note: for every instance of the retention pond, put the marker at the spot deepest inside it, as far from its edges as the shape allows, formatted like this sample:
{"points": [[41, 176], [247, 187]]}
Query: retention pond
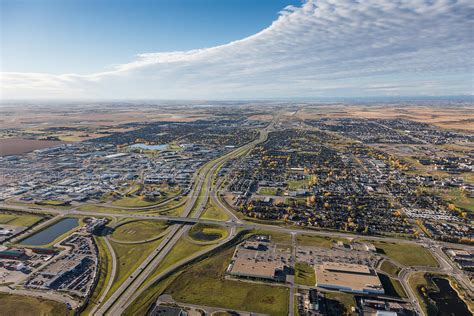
{"points": [[52, 232]]}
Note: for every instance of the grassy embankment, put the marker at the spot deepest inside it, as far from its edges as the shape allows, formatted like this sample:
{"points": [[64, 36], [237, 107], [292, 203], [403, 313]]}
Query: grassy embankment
{"points": [[141, 230], [130, 256], [304, 274], [203, 283], [406, 254], [25, 220], [207, 233], [19, 305], [105, 273]]}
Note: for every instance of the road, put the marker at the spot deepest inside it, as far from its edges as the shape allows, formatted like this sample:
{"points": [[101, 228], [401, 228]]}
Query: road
{"points": [[118, 301], [130, 289]]}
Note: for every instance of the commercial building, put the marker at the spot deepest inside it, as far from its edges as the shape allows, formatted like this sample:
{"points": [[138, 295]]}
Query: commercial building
{"points": [[348, 277], [12, 254]]}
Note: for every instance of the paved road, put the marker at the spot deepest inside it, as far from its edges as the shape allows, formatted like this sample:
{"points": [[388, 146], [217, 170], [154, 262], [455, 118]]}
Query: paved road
{"points": [[112, 276], [128, 291], [193, 210]]}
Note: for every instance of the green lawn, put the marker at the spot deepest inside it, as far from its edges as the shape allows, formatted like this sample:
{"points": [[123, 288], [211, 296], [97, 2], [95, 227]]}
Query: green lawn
{"points": [[213, 212], [51, 203], [183, 249], [460, 199], [133, 201], [129, 257], [139, 230], [392, 287], [207, 233], [19, 305], [304, 274], [298, 184], [317, 241], [267, 191], [19, 219], [406, 254], [390, 268], [204, 284]]}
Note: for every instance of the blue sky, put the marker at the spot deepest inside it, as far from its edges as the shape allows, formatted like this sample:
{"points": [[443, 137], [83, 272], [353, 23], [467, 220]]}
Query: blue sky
{"points": [[83, 36], [235, 49]]}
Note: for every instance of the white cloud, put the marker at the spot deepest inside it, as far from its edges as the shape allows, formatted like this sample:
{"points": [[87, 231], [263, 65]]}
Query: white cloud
{"points": [[325, 47]]}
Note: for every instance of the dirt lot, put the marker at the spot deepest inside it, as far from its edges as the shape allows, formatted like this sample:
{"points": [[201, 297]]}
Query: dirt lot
{"points": [[16, 146]]}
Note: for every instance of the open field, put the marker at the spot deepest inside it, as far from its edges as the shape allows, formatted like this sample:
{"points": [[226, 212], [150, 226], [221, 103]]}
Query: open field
{"points": [[19, 305], [459, 117], [200, 284], [213, 212], [317, 241], [129, 201], [134, 231], [207, 233], [298, 184], [390, 268], [304, 274], [183, 249], [129, 257], [16, 146], [406, 254], [460, 199], [268, 191], [19, 219]]}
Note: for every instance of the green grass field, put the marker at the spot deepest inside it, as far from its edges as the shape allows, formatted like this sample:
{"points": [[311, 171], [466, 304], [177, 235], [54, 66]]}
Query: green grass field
{"points": [[406, 254], [183, 249], [298, 184], [268, 191], [129, 257], [214, 212], [139, 230], [19, 219], [51, 203], [19, 305], [460, 199], [317, 241], [207, 233], [204, 284], [304, 274], [129, 201], [390, 268]]}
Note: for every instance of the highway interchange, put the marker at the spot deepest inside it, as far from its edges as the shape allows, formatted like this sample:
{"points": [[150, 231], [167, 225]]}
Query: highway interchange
{"points": [[206, 187]]}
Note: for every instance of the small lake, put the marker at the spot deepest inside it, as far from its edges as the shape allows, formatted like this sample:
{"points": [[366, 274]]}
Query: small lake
{"points": [[148, 147], [52, 232], [447, 299]]}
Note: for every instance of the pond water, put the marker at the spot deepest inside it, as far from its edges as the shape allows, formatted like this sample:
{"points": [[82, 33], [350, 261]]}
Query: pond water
{"points": [[52, 232], [447, 299], [148, 147]]}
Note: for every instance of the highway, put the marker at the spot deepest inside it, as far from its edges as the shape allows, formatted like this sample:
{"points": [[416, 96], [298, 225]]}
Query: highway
{"points": [[117, 303], [195, 202]]}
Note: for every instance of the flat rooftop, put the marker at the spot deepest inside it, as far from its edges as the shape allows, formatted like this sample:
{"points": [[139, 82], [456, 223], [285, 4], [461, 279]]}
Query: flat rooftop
{"points": [[346, 267], [253, 268], [348, 277]]}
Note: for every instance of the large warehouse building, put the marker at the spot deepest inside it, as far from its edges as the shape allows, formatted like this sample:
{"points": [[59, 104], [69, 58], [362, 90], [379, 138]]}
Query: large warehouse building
{"points": [[348, 277]]}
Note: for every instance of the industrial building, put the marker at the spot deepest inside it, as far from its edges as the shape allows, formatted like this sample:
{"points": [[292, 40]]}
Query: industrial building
{"points": [[348, 277], [258, 259]]}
